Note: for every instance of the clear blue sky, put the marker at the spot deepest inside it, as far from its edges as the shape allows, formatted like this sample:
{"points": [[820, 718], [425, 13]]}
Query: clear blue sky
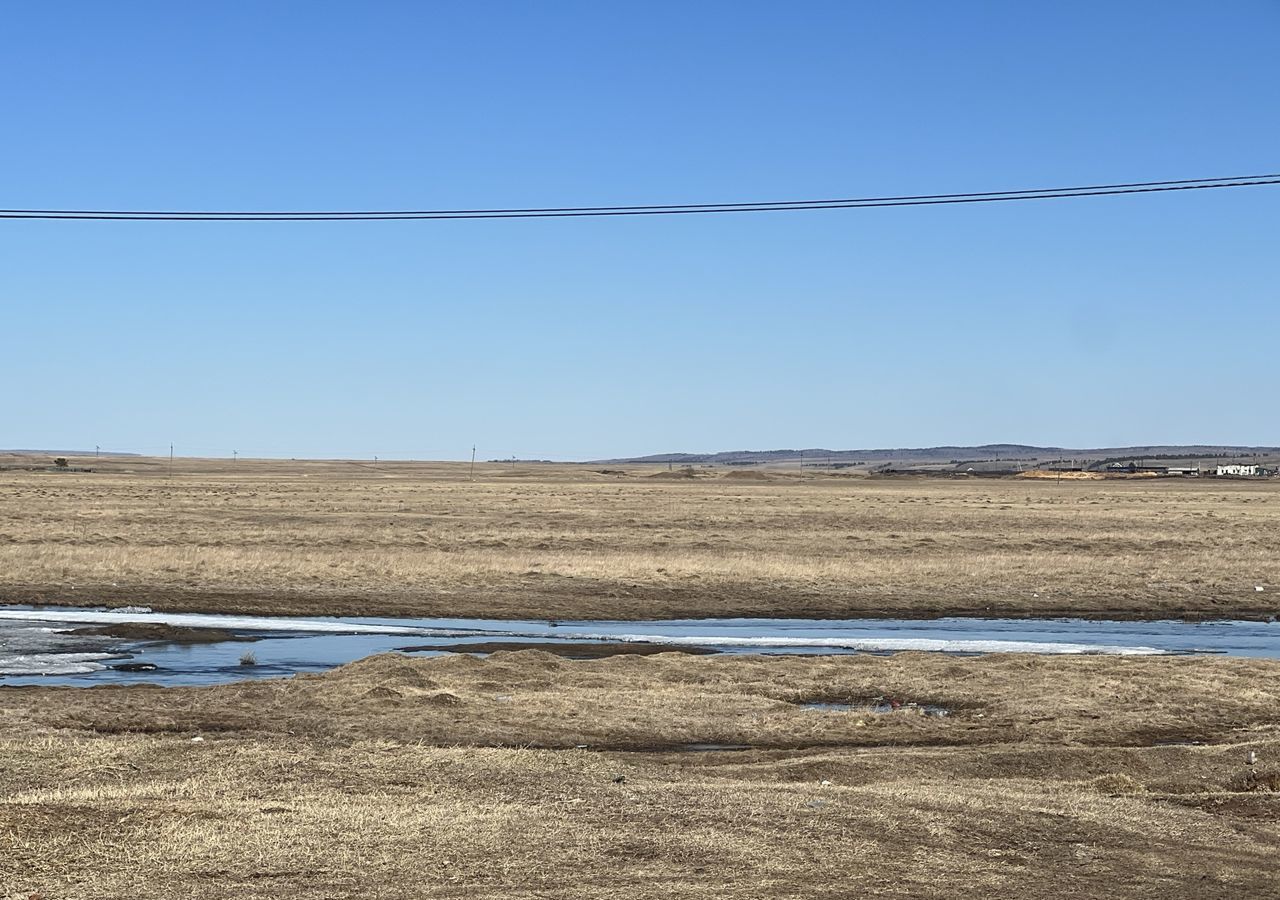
{"points": [[1080, 323]]}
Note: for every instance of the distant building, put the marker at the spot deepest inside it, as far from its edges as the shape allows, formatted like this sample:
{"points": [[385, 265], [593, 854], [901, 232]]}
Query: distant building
{"points": [[1142, 468], [1236, 469], [1134, 468]]}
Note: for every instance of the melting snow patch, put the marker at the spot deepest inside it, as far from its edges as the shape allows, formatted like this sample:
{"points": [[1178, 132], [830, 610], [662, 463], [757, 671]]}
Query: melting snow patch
{"points": [[54, 663], [135, 615]]}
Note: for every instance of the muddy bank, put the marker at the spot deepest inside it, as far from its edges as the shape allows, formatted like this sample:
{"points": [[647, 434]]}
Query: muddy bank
{"points": [[171, 634], [578, 599], [583, 650]]}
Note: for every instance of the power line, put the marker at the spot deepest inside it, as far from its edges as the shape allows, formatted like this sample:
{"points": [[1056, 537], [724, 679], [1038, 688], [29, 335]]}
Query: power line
{"points": [[1146, 187], [669, 206]]}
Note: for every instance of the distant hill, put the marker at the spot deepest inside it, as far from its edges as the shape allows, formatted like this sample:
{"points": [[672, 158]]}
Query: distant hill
{"points": [[65, 453]]}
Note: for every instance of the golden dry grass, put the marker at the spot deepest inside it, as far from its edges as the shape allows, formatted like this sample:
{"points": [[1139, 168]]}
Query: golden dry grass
{"points": [[524, 775], [572, 541], [398, 778]]}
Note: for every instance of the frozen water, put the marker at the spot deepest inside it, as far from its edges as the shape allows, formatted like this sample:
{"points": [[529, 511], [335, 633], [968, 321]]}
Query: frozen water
{"points": [[45, 664], [37, 640]]}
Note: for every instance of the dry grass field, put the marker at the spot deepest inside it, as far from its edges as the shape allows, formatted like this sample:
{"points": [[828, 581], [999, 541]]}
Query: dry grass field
{"points": [[523, 775], [574, 541]]}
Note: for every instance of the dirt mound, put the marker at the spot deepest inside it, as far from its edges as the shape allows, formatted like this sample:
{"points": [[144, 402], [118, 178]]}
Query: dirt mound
{"points": [[685, 474], [740, 475], [383, 669]]}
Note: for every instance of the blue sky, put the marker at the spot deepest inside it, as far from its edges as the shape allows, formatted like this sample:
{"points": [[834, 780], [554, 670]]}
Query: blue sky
{"points": [[1079, 322]]}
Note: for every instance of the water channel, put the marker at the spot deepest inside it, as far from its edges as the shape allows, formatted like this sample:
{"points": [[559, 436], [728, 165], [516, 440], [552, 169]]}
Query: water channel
{"points": [[57, 645]]}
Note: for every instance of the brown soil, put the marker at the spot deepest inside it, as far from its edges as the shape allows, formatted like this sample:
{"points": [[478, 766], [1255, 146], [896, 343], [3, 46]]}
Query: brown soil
{"points": [[584, 650], [171, 634]]}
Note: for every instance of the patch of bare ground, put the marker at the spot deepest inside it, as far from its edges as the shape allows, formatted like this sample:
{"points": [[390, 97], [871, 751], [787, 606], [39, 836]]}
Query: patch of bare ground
{"points": [[160, 632], [526, 775]]}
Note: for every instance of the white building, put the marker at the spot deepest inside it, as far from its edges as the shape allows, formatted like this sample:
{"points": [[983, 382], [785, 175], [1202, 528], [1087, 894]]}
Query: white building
{"points": [[1236, 469]]}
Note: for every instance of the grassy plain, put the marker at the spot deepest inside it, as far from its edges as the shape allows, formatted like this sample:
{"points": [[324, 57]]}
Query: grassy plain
{"points": [[524, 775], [632, 542]]}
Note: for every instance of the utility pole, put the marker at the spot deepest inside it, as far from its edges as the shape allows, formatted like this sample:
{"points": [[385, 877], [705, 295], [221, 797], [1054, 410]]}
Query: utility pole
{"points": [[171, 460], [473, 462], [235, 454], [96, 451]]}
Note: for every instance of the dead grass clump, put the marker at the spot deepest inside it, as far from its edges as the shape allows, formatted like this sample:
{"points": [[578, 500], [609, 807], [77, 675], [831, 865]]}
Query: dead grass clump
{"points": [[1117, 784], [443, 698], [382, 692], [1257, 782]]}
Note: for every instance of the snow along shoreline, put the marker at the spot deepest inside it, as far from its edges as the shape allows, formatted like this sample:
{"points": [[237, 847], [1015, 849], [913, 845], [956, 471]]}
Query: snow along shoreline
{"points": [[566, 631]]}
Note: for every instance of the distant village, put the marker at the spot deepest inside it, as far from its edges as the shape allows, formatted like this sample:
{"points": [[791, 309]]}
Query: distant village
{"points": [[1097, 469], [1222, 470], [1088, 468]]}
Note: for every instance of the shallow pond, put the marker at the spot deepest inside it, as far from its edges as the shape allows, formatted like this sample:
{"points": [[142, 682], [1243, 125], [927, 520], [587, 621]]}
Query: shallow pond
{"points": [[37, 645]]}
